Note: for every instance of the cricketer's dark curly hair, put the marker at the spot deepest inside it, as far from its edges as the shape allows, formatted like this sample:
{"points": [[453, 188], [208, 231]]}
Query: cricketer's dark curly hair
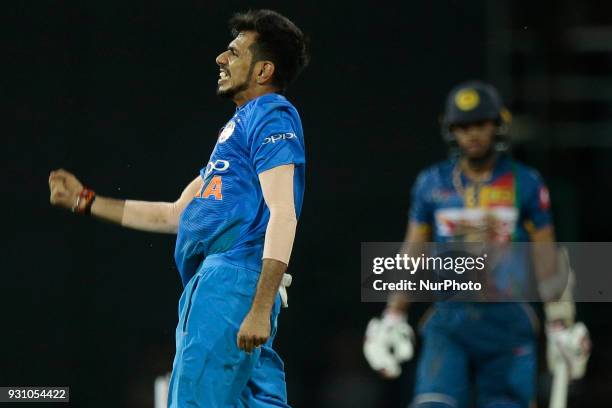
{"points": [[278, 40]]}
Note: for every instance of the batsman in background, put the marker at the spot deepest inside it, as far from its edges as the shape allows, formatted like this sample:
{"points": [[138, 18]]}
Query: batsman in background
{"points": [[480, 195], [235, 222]]}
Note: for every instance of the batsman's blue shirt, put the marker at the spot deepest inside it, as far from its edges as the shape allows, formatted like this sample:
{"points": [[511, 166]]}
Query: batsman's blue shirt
{"points": [[456, 209], [229, 215]]}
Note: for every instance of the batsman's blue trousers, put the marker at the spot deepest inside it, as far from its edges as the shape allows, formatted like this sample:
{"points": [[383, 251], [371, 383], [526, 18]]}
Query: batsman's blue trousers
{"points": [[481, 352]]}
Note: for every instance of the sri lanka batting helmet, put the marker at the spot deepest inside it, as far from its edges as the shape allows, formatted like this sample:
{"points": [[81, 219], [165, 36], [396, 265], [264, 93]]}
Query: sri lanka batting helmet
{"points": [[475, 101]]}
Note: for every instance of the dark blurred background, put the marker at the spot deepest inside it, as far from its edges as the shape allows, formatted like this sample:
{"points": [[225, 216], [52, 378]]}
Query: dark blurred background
{"points": [[123, 95]]}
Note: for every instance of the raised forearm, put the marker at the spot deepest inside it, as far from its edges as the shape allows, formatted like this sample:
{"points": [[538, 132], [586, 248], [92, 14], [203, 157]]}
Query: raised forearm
{"points": [[140, 215], [68, 192], [108, 209], [151, 216]]}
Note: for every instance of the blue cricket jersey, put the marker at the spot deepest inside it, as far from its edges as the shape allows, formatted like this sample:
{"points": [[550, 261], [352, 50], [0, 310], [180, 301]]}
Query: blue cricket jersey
{"points": [[456, 208], [229, 215]]}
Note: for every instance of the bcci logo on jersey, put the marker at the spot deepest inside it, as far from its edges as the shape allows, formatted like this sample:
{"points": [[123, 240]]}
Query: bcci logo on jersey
{"points": [[227, 131]]}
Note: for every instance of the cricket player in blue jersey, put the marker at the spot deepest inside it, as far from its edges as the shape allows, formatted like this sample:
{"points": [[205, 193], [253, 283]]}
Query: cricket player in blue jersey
{"points": [[479, 195], [235, 224]]}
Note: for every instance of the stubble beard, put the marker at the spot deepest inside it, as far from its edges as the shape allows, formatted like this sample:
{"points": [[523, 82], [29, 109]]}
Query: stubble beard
{"points": [[231, 93]]}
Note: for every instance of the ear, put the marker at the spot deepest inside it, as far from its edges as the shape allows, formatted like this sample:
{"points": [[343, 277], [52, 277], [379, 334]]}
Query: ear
{"points": [[264, 71]]}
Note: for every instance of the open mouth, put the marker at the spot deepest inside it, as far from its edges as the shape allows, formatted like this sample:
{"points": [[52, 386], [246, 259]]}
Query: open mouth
{"points": [[223, 75]]}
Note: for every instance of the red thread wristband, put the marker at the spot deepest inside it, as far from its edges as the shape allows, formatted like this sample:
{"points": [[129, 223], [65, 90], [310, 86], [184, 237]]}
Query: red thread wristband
{"points": [[84, 202]]}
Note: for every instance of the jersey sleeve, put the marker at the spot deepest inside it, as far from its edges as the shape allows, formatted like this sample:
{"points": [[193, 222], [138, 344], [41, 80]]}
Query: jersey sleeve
{"points": [[536, 201], [276, 140], [421, 207]]}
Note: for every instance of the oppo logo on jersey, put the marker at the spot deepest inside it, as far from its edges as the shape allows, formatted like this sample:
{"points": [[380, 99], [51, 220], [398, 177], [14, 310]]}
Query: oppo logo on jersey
{"points": [[279, 137], [217, 165], [213, 189]]}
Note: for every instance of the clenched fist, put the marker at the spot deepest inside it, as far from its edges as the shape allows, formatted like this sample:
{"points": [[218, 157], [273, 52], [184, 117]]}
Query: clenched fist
{"points": [[65, 189], [254, 331]]}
